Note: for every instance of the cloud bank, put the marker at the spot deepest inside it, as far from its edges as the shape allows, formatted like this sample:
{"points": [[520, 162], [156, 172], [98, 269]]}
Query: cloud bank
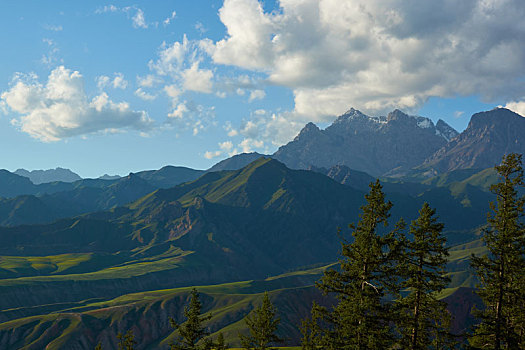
{"points": [[61, 109], [377, 55]]}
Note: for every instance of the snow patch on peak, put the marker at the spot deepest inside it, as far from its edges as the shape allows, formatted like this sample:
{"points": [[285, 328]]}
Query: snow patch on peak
{"points": [[446, 131], [352, 112], [380, 119], [425, 123]]}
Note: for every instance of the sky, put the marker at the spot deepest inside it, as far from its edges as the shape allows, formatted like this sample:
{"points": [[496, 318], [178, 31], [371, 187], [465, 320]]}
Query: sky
{"points": [[117, 87]]}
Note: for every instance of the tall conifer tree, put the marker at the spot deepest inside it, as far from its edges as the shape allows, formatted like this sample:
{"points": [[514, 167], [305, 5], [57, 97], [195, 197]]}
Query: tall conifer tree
{"points": [[262, 326], [501, 272], [424, 321], [192, 331], [361, 319]]}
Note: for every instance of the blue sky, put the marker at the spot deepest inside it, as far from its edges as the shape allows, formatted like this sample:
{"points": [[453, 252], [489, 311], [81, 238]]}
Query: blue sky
{"points": [[113, 87]]}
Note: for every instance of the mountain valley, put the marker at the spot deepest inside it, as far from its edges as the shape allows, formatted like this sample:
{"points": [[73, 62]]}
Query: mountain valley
{"points": [[83, 260]]}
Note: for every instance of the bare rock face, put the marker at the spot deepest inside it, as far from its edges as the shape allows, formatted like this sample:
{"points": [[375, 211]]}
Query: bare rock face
{"points": [[488, 137], [374, 145]]}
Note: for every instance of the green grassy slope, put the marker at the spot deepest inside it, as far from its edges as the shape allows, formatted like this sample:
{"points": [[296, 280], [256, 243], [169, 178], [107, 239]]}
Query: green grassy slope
{"points": [[83, 324], [147, 313], [92, 272]]}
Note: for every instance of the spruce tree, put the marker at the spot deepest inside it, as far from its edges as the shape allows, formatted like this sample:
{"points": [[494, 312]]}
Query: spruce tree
{"points": [[501, 272], [424, 321], [262, 326], [192, 331], [362, 318], [220, 344], [126, 341]]}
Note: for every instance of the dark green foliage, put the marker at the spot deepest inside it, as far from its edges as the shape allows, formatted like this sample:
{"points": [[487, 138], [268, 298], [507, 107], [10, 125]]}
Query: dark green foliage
{"points": [[220, 344], [424, 321], [501, 272], [262, 325], [126, 341], [361, 319], [311, 329], [192, 332]]}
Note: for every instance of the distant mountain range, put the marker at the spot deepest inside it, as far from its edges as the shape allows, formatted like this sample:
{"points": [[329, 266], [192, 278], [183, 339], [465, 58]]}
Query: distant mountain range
{"points": [[374, 145], [262, 219], [43, 176], [488, 136], [395, 145], [401, 145]]}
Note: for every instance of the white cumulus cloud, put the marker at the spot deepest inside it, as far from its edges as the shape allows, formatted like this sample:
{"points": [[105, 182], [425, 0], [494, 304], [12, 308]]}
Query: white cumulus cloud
{"points": [[61, 109], [179, 111], [377, 55], [226, 146], [210, 155], [195, 79], [272, 130], [168, 20], [517, 107], [102, 81], [248, 43], [144, 95], [149, 80], [135, 13], [119, 82], [257, 95], [179, 66], [138, 19], [261, 132], [107, 8], [188, 115]]}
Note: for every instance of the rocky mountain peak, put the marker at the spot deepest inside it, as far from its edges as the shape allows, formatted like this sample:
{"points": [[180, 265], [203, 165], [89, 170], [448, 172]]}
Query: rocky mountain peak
{"points": [[446, 130], [310, 127], [353, 116], [371, 144], [400, 117], [495, 117], [350, 114], [309, 130], [487, 138], [396, 114]]}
